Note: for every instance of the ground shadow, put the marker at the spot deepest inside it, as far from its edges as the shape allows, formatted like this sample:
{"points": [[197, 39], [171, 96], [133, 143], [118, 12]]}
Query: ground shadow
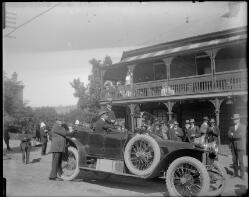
{"points": [[229, 172], [122, 182], [240, 189], [15, 150], [36, 160]]}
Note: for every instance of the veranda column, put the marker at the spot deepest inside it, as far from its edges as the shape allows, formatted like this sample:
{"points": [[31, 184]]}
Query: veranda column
{"points": [[132, 109], [129, 78], [212, 55], [167, 62], [169, 105]]}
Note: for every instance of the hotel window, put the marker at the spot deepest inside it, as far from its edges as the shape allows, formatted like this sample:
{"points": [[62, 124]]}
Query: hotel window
{"points": [[159, 69], [203, 63]]}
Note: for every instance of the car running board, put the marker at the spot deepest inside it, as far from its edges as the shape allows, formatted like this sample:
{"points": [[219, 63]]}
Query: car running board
{"points": [[113, 173]]}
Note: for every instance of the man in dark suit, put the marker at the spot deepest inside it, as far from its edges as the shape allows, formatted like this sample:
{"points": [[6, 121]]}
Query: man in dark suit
{"points": [[102, 123], [187, 126], [44, 138], [178, 131], [204, 126], [58, 146], [193, 131], [171, 131], [111, 116], [237, 137], [213, 132], [25, 146]]}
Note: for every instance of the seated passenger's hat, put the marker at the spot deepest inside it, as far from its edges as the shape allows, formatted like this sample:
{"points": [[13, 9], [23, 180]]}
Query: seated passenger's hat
{"points": [[192, 120], [186, 121], [58, 122], [236, 117], [77, 122], [205, 118], [171, 122], [212, 120]]}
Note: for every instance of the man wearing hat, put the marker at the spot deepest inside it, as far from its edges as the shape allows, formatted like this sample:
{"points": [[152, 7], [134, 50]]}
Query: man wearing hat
{"points": [[44, 137], [237, 137], [111, 116], [25, 146], [103, 124], [193, 131], [204, 126], [213, 132], [178, 131], [58, 146], [171, 131], [185, 131]]}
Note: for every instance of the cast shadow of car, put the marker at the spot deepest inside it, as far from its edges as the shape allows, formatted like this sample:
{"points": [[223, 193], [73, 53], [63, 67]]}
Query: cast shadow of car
{"points": [[155, 185], [36, 160]]}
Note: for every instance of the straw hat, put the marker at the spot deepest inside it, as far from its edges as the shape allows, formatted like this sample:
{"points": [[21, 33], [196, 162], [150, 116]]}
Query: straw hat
{"points": [[192, 120], [205, 118], [212, 120], [42, 125], [235, 117]]}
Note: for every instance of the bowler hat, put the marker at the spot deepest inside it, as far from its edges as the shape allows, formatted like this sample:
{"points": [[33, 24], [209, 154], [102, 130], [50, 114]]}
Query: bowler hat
{"points": [[186, 121], [212, 120], [171, 122], [192, 120], [102, 112], [235, 116], [175, 122], [205, 118]]}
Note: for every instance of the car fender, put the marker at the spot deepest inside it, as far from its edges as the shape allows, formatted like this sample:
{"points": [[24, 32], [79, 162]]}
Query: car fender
{"points": [[82, 150]]}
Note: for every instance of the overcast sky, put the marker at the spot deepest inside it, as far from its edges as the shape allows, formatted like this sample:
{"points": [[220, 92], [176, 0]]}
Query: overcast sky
{"points": [[56, 40]]}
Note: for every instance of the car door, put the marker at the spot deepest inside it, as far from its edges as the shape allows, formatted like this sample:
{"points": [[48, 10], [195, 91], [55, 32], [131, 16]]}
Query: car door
{"points": [[96, 144], [113, 142]]}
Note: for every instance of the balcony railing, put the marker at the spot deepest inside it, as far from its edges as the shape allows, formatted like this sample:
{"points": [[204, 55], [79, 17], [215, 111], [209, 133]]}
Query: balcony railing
{"points": [[220, 82]]}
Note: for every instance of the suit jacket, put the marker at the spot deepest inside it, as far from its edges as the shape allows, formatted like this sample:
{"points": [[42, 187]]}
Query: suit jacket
{"points": [[175, 134], [212, 134], [238, 138], [101, 126], [58, 138], [193, 131], [43, 135], [203, 128]]}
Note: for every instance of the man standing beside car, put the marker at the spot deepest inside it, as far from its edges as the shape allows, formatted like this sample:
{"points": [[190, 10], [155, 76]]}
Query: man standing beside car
{"points": [[44, 138], [193, 131], [58, 146], [237, 137]]}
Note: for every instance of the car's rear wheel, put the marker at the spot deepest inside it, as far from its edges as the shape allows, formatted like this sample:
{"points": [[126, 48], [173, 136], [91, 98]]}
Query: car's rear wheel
{"points": [[142, 155], [70, 164], [217, 175], [186, 176]]}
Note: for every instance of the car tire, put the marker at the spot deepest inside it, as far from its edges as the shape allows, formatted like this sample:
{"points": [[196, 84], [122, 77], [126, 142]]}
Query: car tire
{"points": [[221, 170], [171, 187], [152, 155], [71, 152]]}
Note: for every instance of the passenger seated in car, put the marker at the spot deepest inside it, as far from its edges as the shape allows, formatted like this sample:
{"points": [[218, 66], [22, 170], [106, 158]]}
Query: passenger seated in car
{"points": [[102, 124]]}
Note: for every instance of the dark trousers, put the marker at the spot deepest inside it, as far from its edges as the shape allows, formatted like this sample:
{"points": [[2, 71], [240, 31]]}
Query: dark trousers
{"points": [[7, 144], [56, 165], [238, 164], [44, 147], [25, 148]]}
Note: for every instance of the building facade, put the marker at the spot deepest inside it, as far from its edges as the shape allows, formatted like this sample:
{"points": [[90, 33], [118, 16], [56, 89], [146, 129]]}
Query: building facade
{"points": [[200, 76]]}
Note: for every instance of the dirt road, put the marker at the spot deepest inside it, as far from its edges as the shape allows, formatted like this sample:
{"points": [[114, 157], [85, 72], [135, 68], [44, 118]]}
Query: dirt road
{"points": [[32, 180]]}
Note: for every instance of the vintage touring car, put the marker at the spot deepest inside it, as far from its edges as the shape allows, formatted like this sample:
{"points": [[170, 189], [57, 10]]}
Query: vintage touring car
{"points": [[146, 155]]}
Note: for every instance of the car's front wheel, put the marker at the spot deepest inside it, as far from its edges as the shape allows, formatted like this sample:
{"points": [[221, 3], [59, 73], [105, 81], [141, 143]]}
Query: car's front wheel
{"points": [[187, 176], [70, 164]]}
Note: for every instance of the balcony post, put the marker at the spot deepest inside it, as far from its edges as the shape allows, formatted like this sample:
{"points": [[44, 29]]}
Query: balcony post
{"points": [[132, 109], [130, 72], [167, 62], [212, 55]]}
